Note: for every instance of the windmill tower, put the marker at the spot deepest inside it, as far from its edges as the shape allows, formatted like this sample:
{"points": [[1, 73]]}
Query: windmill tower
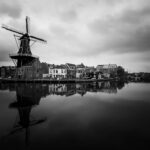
{"points": [[27, 64]]}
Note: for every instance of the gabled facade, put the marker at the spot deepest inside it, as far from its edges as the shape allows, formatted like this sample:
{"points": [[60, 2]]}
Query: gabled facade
{"points": [[71, 70], [108, 68], [58, 71], [80, 69]]}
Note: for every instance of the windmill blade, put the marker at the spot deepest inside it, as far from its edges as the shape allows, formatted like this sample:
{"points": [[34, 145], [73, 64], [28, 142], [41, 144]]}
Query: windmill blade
{"points": [[39, 39], [27, 25], [36, 40], [35, 122], [11, 29]]}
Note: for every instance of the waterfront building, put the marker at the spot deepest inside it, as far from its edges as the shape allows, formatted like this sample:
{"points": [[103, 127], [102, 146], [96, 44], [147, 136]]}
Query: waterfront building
{"points": [[44, 69], [71, 70], [80, 69], [7, 71], [57, 71], [89, 72], [107, 70]]}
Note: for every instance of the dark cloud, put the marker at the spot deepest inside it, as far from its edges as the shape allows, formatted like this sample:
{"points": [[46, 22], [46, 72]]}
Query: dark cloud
{"points": [[138, 41], [5, 49], [10, 8], [4, 55], [130, 18], [134, 16], [126, 33]]}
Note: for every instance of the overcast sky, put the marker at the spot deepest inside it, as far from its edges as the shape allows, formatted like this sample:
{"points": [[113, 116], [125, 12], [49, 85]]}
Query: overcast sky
{"points": [[88, 31]]}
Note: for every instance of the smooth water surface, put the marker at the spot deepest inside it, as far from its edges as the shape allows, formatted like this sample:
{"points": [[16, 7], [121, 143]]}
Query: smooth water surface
{"points": [[104, 115]]}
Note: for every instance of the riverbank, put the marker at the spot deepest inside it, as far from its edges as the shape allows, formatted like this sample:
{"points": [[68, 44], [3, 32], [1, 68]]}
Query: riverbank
{"points": [[6, 80]]}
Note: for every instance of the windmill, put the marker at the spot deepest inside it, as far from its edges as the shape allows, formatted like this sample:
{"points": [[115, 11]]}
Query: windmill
{"points": [[24, 58]]}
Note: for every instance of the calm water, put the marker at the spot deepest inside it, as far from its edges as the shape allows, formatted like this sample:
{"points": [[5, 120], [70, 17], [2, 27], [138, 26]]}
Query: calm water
{"points": [[104, 115]]}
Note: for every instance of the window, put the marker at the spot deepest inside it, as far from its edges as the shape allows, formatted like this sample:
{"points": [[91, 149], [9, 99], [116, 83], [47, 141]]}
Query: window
{"points": [[56, 71], [61, 70]]}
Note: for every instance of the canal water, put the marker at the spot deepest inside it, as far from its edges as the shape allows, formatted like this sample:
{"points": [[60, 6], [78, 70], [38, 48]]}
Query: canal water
{"points": [[47, 116]]}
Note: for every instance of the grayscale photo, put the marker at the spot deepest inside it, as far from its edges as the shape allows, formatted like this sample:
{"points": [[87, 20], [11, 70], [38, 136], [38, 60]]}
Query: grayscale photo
{"points": [[74, 74]]}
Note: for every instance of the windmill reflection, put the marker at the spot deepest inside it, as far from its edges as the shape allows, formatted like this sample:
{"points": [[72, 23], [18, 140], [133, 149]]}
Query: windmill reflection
{"points": [[28, 96]]}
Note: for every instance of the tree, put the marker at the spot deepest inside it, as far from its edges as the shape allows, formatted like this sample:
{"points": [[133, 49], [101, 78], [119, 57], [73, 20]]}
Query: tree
{"points": [[120, 71]]}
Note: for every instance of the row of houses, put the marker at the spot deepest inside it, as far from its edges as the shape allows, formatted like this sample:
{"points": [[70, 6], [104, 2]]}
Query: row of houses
{"points": [[64, 71], [71, 71], [7, 71]]}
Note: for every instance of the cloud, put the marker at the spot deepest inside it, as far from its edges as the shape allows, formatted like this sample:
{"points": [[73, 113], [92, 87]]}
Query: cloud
{"points": [[128, 31], [134, 16], [69, 15], [5, 50], [137, 41], [4, 56], [10, 8]]}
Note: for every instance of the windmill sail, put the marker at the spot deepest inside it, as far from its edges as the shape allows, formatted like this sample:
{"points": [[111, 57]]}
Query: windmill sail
{"points": [[39, 39], [27, 25], [12, 29]]}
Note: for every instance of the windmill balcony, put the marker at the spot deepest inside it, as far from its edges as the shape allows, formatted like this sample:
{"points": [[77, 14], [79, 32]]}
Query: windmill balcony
{"points": [[15, 55]]}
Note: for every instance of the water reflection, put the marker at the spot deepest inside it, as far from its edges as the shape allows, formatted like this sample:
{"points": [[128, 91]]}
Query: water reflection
{"points": [[82, 89], [106, 118], [27, 96], [42, 90]]}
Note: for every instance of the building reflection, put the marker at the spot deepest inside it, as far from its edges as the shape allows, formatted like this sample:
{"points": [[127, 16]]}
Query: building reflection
{"points": [[24, 91], [82, 89]]}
